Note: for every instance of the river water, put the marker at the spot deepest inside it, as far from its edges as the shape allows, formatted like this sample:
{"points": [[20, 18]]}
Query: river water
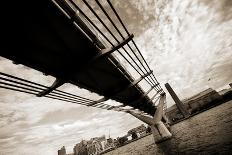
{"points": [[208, 133]]}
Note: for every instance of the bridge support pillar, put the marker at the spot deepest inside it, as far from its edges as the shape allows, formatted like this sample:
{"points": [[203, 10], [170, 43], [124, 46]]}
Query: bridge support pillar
{"points": [[159, 129]]}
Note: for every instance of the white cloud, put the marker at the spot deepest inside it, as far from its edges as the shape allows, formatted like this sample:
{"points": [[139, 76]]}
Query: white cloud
{"points": [[186, 40]]}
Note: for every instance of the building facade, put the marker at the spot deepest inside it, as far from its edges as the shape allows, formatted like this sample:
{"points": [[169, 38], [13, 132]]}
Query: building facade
{"points": [[81, 148], [62, 151], [194, 104], [140, 131], [94, 146]]}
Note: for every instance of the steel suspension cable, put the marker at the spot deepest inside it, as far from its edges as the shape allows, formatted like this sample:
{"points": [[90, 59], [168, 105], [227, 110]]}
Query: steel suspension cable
{"points": [[107, 15], [112, 7], [88, 19], [19, 90], [58, 92], [20, 83], [91, 9], [21, 86], [33, 91]]}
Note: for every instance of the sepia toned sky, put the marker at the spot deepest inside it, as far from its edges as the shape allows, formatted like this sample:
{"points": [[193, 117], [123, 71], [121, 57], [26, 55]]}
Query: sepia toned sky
{"points": [[186, 43]]}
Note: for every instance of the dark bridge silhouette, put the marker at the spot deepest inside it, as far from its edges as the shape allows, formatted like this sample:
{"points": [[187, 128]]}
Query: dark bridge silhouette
{"points": [[87, 44], [59, 39]]}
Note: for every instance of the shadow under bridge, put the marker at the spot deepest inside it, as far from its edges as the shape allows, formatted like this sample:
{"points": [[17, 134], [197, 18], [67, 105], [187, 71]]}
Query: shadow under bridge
{"points": [[59, 39]]}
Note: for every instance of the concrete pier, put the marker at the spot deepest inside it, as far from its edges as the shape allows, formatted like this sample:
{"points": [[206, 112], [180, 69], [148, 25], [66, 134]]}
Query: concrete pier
{"points": [[159, 130]]}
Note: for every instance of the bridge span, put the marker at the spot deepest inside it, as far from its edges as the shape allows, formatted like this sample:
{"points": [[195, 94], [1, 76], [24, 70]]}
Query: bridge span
{"points": [[86, 43], [87, 47], [59, 39]]}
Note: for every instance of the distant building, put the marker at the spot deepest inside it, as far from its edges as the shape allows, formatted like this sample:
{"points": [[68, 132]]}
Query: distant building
{"points": [[194, 104], [122, 140], [101, 140], [81, 148], [94, 146], [201, 100], [109, 144], [116, 142], [140, 131], [62, 151], [226, 91]]}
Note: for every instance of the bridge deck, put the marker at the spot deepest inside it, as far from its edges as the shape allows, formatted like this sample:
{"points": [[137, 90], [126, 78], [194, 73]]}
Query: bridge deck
{"points": [[52, 44]]}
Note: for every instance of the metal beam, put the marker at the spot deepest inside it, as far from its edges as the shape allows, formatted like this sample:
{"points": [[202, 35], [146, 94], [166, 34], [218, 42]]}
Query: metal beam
{"points": [[138, 80], [75, 18], [104, 106], [98, 101], [154, 96], [57, 83], [135, 82], [141, 97], [146, 119], [107, 52], [155, 101], [115, 107]]}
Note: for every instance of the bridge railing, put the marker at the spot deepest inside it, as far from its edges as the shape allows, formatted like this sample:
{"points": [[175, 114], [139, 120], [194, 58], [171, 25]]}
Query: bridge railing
{"points": [[22, 85], [111, 38], [99, 20]]}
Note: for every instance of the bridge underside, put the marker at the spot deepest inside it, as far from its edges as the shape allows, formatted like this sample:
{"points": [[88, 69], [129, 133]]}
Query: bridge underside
{"points": [[46, 40]]}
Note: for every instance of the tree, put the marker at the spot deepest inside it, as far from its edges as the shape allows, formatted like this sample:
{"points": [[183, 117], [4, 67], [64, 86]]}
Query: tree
{"points": [[122, 140], [148, 130], [134, 135]]}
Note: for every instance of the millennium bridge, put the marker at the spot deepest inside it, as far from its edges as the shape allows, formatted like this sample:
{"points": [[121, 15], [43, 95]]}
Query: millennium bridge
{"points": [[84, 43]]}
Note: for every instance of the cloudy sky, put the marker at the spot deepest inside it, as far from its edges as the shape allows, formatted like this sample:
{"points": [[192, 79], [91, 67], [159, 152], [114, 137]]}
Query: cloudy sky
{"points": [[186, 43]]}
